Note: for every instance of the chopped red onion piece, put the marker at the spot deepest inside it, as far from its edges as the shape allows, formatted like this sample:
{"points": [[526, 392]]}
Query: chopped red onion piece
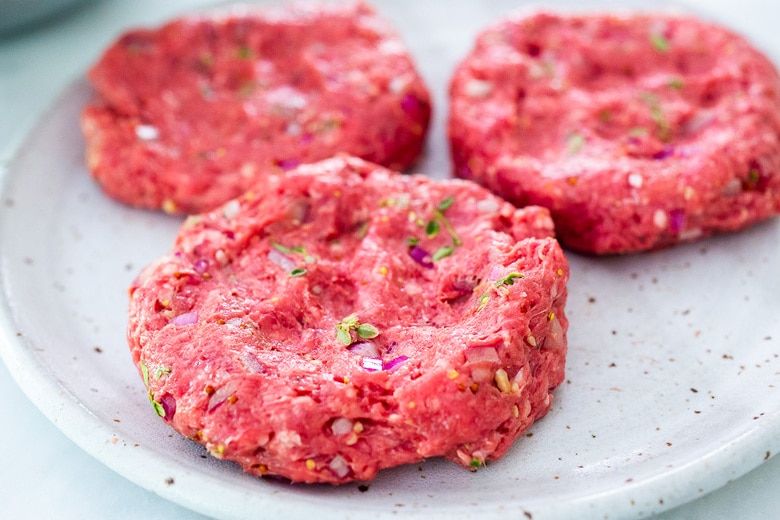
{"points": [[555, 337], [364, 348], [339, 466], [481, 374], [465, 172], [288, 164], [372, 363], [168, 403], [201, 266], [421, 256], [700, 119], [188, 318], [221, 395], [278, 258], [410, 104], [667, 151], [676, 220], [341, 426], [394, 363], [479, 353], [251, 363]]}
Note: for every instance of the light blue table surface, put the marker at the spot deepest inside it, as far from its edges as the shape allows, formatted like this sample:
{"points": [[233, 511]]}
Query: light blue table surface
{"points": [[44, 474]]}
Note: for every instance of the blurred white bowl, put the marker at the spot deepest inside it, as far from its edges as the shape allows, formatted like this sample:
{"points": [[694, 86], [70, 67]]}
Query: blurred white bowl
{"points": [[19, 13]]}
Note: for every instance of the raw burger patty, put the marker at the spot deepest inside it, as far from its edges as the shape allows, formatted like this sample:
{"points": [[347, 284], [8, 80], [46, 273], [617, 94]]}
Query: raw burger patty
{"points": [[189, 115], [297, 332], [636, 131]]}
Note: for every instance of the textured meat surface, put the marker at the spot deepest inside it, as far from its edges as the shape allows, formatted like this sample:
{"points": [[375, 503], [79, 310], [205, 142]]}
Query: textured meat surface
{"points": [[189, 114], [348, 318], [636, 131]]}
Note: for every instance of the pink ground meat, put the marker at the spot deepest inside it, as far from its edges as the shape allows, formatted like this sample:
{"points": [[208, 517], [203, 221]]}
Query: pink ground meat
{"points": [[188, 115], [637, 131], [345, 318]]}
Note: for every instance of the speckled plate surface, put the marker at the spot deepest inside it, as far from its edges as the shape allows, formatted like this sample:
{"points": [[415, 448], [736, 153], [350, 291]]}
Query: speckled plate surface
{"points": [[672, 376]]}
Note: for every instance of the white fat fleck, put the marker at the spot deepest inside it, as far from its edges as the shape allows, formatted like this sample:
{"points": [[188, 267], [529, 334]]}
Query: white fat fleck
{"points": [[536, 71], [403, 200], [690, 234], [732, 188], [487, 206], [231, 209], [278, 258], [339, 466], [398, 84], [698, 121], [234, 323], [147, 132], [288, 438], [478, 88], [412, 289], [287, 97], [248, 170], [341, 426], [221, 257], [293, 128], [557, 83], [660, 219], [635, 180], [391, 46]]}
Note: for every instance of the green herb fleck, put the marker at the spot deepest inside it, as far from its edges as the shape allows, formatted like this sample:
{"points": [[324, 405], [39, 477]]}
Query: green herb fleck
{"points": [[483, 300], [662, 125], [246, 88], [637, 131], [158, 408], [508, 279], [442, 252], [244, 52], [649, 98], [675, 83], [343, 335], [664, 130], [362, 230], [367, 331], [432, 229], [446, 203], [284, 249], [296, 250], [297, 272], [345, 327], [659, 42], [438, 215], [412, 241], [145, 373], [162, 371], [475, 463]]}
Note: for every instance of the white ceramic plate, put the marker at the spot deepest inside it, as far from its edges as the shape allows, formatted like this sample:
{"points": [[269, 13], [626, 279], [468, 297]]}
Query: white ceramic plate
{"points": [[672, 375]]}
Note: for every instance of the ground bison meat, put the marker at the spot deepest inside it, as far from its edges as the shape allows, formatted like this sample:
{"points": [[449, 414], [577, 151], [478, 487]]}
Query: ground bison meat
{"points": [[345, 318], [186, 116], [636, 131]]}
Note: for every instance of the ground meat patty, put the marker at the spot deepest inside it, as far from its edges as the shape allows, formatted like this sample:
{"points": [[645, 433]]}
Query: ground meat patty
{"points": [[346, 318], [188, 115], [637, 131]]}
